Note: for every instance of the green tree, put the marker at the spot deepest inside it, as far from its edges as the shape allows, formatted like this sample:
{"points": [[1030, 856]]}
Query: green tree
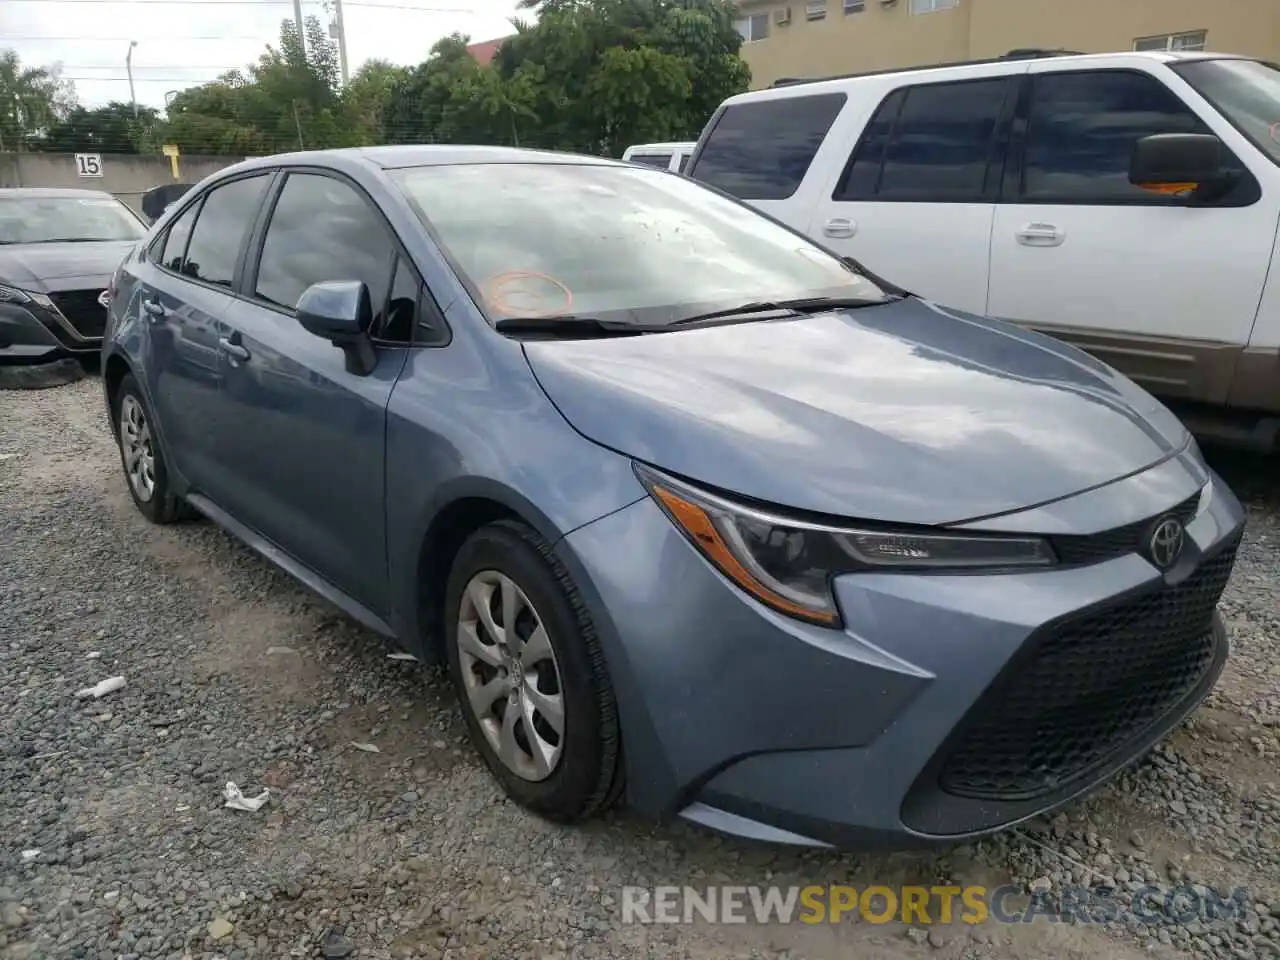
{"points": [[109, 129], [366, 96], [32, 100]]}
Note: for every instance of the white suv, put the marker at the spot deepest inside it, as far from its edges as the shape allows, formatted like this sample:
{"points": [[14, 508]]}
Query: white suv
{"points": [[1127, 203], [669, 156]]}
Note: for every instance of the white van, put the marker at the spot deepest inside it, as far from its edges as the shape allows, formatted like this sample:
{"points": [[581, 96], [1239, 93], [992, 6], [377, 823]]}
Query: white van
{"points": [[1127, 203], [668, 156]]}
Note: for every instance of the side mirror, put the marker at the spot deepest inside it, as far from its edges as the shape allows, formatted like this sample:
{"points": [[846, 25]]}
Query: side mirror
{"points": [[341, 312], [1180, 164]]}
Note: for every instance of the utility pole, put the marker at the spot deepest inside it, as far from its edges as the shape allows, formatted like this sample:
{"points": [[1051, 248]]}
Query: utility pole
{"points": [[342, 38], [128, 66], [297, 19]]}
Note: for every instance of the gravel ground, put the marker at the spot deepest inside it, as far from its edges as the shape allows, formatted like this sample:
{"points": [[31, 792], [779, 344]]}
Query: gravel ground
{"points": [[116, 843]]}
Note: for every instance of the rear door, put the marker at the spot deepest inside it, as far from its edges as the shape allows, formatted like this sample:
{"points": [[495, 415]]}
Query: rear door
{"points": [[1163, 291], [183, 291], [915, 196], [308, 437]]}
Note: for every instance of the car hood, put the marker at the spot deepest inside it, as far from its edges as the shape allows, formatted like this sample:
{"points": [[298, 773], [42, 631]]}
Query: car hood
{"points": [[905, 412], [38, 266]]}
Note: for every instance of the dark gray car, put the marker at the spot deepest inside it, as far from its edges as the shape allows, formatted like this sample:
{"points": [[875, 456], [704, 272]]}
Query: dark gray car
{"points": [[58, 249], [696, 512]]}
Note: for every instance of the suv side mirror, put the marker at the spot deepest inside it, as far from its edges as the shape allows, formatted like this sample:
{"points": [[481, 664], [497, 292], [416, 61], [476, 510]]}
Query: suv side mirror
{"points": [[341, 312], [1180, 164]]}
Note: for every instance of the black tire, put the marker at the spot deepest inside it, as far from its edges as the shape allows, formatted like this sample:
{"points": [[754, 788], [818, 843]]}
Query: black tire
{"points": [[588, 777], [163, 506]]}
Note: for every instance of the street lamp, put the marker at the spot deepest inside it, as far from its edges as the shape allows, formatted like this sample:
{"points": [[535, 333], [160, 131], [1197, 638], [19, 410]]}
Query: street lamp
{"points": [[128, 66]]}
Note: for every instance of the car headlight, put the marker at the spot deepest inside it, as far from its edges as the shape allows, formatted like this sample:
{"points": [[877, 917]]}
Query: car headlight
{"points": [[10, 294], [788, 564]]}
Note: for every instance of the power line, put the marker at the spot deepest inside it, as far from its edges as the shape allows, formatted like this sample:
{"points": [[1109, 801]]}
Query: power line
{"points": [[141, 40], [253, 3]]}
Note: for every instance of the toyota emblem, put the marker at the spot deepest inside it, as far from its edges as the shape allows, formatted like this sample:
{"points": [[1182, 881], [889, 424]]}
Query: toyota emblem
{"points": [[1166, 542]]}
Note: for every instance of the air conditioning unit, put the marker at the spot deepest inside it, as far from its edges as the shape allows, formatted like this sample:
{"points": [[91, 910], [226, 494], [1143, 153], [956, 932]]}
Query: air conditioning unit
{"points": [[815, 9], [782, 17], [888, 3]]}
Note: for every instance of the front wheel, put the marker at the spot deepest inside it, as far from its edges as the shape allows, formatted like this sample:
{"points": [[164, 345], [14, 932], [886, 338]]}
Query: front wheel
{"points": [[528, 668], [141, 457]]}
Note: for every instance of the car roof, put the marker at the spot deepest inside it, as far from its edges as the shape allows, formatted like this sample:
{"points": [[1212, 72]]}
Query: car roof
{"points": [[66, 193], [422, 155], [962, 70]]}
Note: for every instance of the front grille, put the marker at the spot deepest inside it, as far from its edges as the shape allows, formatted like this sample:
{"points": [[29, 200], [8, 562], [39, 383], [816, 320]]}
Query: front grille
{"points": [[1094, 548], [1087, 688], [82, 309]]}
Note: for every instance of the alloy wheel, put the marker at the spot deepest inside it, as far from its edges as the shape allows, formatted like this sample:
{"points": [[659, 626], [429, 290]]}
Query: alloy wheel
{"points": [[139, 452], [510, 675]]}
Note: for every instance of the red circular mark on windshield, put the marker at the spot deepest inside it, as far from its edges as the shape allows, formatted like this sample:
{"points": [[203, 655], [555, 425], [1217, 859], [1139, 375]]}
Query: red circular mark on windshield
{"points": [[498, 291]]}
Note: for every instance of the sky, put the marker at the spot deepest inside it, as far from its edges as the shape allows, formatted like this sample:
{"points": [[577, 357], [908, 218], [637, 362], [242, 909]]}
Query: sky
{"points": [[186, 42]]}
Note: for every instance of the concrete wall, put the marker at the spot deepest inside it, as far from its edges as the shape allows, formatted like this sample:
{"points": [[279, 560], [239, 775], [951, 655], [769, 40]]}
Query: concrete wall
{"points": [[886, 35], [125, 175]]}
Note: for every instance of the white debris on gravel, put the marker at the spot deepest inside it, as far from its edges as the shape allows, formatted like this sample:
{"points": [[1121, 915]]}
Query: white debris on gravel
{"points": [[419, 855]]}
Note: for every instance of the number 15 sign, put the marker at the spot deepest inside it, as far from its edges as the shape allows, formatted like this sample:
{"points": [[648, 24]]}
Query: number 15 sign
{"points": [[89, 164]]}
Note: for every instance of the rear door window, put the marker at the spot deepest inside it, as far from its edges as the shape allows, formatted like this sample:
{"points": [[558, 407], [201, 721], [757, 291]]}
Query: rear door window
{"points": [[936, 142], [221, 226], [762, 149], [171, 250]]}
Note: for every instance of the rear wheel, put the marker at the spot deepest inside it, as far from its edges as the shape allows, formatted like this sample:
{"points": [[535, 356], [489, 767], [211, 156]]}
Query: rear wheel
{"points": [[529, 671], [141, 457]]}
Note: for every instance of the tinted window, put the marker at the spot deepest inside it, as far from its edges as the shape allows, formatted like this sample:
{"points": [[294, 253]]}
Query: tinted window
{"points": [[682, 163], [662, 160], [175, 241], [929, 142], [1081, 132], [402, 305], [1246, 92], [761, 150], [322, 229], [224, 219]]}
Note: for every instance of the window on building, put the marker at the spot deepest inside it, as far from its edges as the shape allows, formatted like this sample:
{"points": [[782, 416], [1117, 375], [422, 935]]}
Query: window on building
{"points": [[761, 150], [1081, 131], [754, 27], [854, 6], [1195, 40], [815, 10], [928, 143], [932, 6]]}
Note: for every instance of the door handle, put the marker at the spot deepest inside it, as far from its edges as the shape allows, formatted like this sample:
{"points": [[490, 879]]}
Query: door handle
{"points": [[233, 349], [1040, 235], [840, 227], [153, 308]]}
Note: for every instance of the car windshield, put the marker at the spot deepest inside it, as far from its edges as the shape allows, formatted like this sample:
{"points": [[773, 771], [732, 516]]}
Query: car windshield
{"points": [[623, 243], [54, 219], [1247, 92]]}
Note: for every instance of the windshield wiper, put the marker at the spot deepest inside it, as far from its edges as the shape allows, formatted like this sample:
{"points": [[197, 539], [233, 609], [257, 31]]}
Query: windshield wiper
{"points": [[794, 305], [73, 240], [572, 325]]}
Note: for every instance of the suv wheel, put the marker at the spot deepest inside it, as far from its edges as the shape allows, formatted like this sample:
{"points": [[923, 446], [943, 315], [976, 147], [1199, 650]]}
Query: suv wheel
{"points": [[142, 458], [528, 669]]}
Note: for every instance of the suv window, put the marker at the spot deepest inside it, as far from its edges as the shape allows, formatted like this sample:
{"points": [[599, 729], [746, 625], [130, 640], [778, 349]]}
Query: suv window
{"points": [[171, 250], [761, 150], [932, 142], [225, 217], [322, 229], [662, 160], [1081, 130]]}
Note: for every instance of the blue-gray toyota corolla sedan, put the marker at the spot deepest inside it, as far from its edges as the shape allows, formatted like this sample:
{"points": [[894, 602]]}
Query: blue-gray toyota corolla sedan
{"points": [[694, 510]]}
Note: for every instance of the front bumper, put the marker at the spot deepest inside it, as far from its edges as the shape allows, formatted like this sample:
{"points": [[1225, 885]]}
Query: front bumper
{"points": [[948, 707], [33, 333]]}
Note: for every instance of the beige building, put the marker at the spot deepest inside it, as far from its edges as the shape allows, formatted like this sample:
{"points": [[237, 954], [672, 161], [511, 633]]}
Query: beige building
{"points": [[798, 38]]}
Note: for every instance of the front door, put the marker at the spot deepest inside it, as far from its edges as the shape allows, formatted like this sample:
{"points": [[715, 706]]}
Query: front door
{"points": [[1164, 292], [306, 439]]}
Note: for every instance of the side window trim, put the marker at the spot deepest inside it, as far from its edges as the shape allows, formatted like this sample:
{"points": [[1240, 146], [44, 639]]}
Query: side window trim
{"points": [[1015, 168], [997, 148], [246, 288]]}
